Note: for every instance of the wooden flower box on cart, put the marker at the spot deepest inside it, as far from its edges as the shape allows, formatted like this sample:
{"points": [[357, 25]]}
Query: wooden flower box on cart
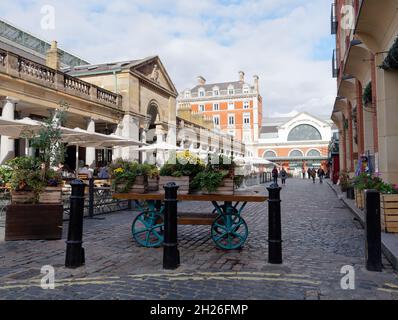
{"points": [[140, 185], [227, 188], [182, 182], [389, 212]]}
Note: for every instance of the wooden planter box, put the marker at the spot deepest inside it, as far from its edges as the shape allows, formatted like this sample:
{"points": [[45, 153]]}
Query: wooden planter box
{"points": [[140, 185], [389, 212], [34, 222], [227, 188], [153, 184], [22, 197], [51, 195], [182, 182], [360, 199]]}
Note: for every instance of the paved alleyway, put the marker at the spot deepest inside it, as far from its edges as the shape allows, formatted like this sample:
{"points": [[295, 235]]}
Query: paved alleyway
{"points": [[320, 237]]}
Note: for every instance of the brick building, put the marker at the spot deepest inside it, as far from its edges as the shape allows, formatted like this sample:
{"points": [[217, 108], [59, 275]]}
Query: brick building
{"points": [[234, 107]]}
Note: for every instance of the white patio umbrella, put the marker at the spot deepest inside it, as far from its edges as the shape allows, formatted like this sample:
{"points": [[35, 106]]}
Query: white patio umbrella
{"points": [[16, 128], [161, 146]]}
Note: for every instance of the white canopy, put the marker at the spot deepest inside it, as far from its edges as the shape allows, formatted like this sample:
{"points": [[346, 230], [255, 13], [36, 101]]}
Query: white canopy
{"points": [[16, 128], [161, 146], [261, 161]]}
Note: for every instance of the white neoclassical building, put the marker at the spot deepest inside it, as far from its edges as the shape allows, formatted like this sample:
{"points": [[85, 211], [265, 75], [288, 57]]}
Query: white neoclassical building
{"points": [[295, 142]]}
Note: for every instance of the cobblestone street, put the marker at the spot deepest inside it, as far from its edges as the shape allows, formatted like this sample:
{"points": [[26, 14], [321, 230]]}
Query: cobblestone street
{"points": [[320, 237]]}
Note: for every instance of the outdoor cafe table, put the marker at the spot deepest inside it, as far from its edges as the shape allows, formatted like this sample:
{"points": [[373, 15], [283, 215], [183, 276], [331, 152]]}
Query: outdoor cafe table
{"points": [[228, 228]]}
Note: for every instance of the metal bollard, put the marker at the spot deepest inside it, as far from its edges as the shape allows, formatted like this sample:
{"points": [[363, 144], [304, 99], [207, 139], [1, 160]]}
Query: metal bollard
{"points": [[171, 255], [91, 198], [373, 231], [74, 251], [274, 225]]}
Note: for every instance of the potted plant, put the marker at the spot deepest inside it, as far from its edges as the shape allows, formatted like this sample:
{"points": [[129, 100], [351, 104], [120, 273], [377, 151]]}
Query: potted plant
{"points": [[153, 177], [216, 178], [181, 171], [129, 177], [26, 181], [5, 176], [388, 207], [344, 181]]}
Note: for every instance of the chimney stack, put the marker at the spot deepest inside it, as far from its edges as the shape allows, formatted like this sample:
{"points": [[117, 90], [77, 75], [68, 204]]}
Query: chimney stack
{"points": [[201, 81], [53, 57], [241, 76], [256, 86]]}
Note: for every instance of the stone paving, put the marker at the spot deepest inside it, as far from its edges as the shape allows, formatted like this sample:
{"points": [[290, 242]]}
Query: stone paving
{"points": [[320, 237]]}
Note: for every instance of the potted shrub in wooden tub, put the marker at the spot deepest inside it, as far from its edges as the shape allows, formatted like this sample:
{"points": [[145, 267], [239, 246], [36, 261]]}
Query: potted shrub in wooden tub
{"points": [[389, 207], [129, 177], [26, 217], [153, 178], [181, 170]]}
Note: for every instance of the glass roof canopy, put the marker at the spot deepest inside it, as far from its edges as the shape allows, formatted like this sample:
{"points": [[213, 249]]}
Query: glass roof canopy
{"points": [[24, 39]]}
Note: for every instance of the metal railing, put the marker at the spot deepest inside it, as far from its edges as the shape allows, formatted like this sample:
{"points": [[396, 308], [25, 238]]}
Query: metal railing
{"points": [[98, 200]]}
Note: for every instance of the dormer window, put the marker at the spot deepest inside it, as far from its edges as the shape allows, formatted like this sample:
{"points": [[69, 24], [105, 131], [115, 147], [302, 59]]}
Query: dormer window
{"points": [[187, 94], [216, 91], [231, 90], [246, 89], [201, 92]]}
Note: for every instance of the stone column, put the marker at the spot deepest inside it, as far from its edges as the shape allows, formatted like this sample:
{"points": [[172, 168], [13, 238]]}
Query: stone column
{"points": [[131, 129], [160, 155], [117, 151], [90, 151], [143, 140], [7, 150]]}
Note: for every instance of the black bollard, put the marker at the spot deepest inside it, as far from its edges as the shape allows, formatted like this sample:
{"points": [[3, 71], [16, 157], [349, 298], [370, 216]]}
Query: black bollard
{"points": [[74, 251], [171, 255], [91, 198], [274, 225], [373, 231]]}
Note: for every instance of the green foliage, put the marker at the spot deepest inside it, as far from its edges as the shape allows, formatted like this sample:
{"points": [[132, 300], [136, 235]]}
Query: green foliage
{"points": [[27, 175], [367, 94], [5, 174], [345, 181], [186, 164], [49, 139], [366, 181], [209, 180], [124, 174]]}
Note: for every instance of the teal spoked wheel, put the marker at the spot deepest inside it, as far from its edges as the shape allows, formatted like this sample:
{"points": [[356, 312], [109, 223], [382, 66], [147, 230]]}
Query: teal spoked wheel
{"points": [[229, 232], [147, 229]]}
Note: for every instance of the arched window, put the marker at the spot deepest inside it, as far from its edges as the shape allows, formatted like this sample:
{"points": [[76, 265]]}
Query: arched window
{"points": [[296, 154], [270, 154], [304, 132], [313, 153]]}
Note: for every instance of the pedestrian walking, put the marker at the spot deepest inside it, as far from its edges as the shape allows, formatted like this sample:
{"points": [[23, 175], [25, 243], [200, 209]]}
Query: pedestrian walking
{"points": [[309, 172], [321, 175], [313, 175], [275, 174], [283, 176], [304, 172]]}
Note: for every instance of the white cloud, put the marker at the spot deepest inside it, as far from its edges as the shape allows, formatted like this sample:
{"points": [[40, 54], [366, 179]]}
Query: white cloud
{"points": [[272, 38]]}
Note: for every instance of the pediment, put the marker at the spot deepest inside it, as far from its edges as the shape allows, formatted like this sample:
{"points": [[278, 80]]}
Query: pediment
{"points": [[154, 70]]}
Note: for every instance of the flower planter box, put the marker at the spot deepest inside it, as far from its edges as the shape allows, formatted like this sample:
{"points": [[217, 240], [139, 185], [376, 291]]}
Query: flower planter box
{"points": [[140, 185], [51, 195], [389, 212], [153, 184], [182, 182], [360, 199], [34, 222], [227, 188], [22, 197]]}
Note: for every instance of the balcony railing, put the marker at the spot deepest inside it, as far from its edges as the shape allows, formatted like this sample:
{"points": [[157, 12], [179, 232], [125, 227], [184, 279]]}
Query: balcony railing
{"points": [[25, 69], [333, 19]]}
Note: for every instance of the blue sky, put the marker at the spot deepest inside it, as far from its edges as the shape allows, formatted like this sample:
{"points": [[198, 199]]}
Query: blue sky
{"points": [[286, 42]]}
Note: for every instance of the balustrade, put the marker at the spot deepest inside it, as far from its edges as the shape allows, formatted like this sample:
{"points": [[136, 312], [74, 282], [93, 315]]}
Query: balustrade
{"points": [[32, 71], [36, 70], [77, 85]]}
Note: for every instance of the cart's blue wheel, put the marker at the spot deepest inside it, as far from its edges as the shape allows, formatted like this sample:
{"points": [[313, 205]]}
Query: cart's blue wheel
{"points": [[147, 229], [229, 232]]}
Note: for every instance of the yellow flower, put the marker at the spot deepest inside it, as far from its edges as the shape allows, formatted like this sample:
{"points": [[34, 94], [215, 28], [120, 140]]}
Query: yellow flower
{"points": [[119, 170]]}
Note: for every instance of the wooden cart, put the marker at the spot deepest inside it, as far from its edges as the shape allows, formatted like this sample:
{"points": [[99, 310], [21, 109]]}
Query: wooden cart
{"points": [[229, 230]]}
